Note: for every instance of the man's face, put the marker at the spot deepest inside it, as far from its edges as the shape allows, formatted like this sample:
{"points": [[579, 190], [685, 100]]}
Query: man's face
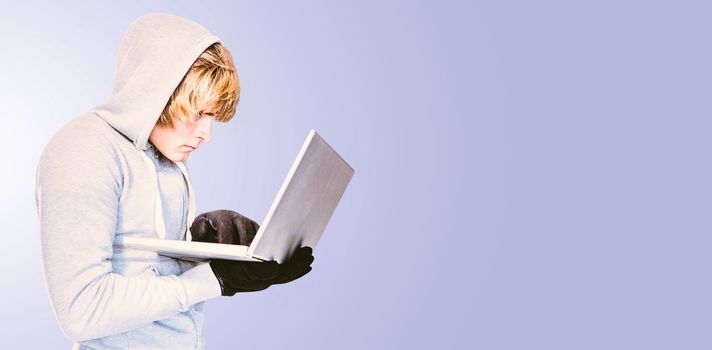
{"points": [[189, 134]]}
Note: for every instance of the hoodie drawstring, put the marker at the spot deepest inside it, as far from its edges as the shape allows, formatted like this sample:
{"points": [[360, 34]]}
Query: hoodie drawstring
{"points": [[158, 212], [191, 201]]}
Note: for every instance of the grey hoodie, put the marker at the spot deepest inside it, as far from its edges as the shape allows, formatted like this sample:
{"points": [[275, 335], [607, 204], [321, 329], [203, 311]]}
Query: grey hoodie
{"points": [[99, 179]]}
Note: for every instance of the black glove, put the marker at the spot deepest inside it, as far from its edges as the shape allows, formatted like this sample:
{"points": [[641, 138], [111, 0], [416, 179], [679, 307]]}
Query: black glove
{"points": [[247, 276], [223, 226], [227, 226]]}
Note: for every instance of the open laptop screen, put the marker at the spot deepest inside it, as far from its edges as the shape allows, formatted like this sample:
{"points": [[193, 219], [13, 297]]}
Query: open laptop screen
{"points": [[305, 202]]}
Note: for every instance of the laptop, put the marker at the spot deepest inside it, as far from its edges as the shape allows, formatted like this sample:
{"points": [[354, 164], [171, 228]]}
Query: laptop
{"points": [[298, 215]]}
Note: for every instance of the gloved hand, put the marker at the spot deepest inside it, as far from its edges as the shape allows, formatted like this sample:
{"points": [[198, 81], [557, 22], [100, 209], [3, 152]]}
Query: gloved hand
{"points": [[227, 226], [247, 276], [223, 226]]}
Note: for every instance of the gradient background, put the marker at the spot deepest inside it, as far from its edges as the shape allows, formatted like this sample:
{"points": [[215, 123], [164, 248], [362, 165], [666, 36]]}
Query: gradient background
{"points": [[529, 174]]}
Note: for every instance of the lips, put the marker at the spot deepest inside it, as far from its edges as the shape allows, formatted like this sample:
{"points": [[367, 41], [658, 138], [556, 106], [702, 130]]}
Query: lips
{"points": [[190, 148]]}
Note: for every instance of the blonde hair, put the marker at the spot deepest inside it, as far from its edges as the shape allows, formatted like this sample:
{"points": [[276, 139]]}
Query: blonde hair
{"points": [[210, 86]]}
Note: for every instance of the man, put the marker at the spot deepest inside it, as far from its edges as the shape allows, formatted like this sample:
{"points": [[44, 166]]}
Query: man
{"points": [[119, 170]]}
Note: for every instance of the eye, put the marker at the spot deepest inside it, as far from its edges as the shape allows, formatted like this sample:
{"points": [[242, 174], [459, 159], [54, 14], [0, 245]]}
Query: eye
{"points": [[195, 117]]}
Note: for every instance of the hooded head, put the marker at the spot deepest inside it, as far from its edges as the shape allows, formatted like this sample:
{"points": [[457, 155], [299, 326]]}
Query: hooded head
{"points": [[162, 89]]}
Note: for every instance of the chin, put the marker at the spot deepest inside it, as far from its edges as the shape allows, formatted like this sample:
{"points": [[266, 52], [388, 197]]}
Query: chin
{"points": [[178, 157]]}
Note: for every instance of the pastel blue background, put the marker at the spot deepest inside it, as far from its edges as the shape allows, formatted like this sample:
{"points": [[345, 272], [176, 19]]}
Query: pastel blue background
{"points": [[529, 174]]}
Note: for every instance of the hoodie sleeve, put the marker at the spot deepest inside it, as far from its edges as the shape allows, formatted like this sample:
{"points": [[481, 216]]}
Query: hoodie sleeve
{"points": [[77, 195]]}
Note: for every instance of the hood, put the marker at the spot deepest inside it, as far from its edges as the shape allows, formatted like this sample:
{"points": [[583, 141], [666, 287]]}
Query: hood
{"points": [[155, 53]]}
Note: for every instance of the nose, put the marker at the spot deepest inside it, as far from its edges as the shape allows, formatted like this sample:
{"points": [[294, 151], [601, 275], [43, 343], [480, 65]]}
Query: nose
{"points": [[204, 130]]}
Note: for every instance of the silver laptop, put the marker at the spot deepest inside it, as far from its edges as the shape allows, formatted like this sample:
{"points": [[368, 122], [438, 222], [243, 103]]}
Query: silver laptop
{"points": [[297, 217]]}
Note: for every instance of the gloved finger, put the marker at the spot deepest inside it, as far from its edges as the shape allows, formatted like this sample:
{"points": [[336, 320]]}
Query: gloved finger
{"points": [[259, 271], [253, 287], [244, 228], [297, 266], [286, 278], [302, 256], [230, 290], [221, 220], [202, 230], [243, 290], [239, 272]]}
